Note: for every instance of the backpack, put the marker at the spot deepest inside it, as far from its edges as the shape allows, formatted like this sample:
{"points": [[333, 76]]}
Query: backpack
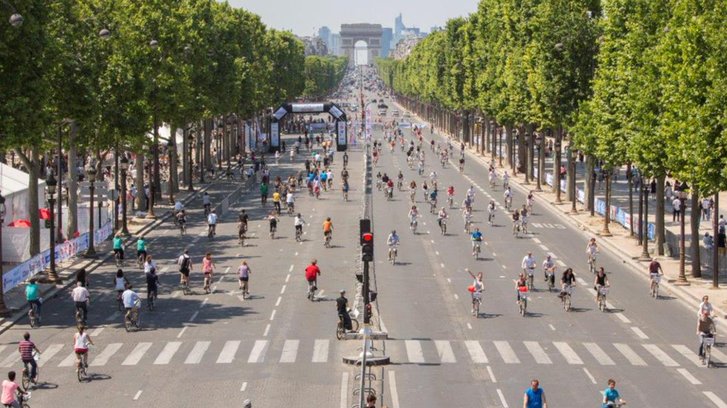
{"points": [[185, 264]]}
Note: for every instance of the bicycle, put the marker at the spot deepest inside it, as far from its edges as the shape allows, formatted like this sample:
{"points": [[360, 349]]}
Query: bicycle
{"points": [[80, 318], [272, 232], [26, 381], [211, 231], [523, 301], [655, 278], [508, 203], [151, 300], [327, 240], [207, 283], [467, 226], [33, 315], [185, 288], [340, 328], [119, 300], [433, 206], [241, 239], [531, 280], [550, 279], [707, 343], [132, 320], [476, 250], [22, 398], [312, 290], [443, 226], [118, 258], [81, 367], [413, 226], [566, 298], [182, 228], [476, 302], [298, 235], [592, 263], [392, 254], [450, 201], [516, 229], [602, 292]]}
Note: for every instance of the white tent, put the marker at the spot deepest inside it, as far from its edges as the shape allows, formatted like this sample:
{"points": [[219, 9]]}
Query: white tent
{"points": [[14, 187]]}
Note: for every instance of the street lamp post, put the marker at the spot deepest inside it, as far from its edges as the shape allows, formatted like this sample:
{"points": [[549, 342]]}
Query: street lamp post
{"points": [[51, 184], [124, 164], [682, 279], [645, 221], [556, 177], [91, 174], [3, 309], [574, 191], [190, 171]]}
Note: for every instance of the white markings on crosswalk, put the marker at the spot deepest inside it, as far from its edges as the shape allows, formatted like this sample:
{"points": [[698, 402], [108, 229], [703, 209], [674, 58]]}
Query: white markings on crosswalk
{"points": [[506, 352], [502, 398], [393, 390], [622, 317], [257, 355], [170, 349], [445, 352], [538, 353], [48, 353], [320, 350], [568, 353], [715, 399], [630, 354], [267, 330], [689, 377], [69, 361], [544, 248], [598, 353], [414, 351], [639, 333], [537, 241], [104, 356], [492, 375], [10, 360], [227, 355], [560, 263], [290, 351], [590, 376], [687, 353], [660, 355], [137, 354], [344, 390], [195, 356]]}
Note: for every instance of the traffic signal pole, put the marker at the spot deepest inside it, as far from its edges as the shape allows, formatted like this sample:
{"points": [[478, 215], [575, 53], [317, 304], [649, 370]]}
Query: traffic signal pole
{"points": [[365, 293]]}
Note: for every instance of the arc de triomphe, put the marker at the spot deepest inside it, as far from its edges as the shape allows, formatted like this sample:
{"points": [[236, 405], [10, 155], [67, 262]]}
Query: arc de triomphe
{"points": [[352, 33]]}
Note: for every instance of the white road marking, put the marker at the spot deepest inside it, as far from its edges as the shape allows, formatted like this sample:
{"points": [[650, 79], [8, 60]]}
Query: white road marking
{"points": [[660, 355], [272, 315], [538, 353], [622, 317], [257, 354], [168, 352], [344, 390], [456, 296], [559, 262], [588, 373], [686, 374], [393, 391], [244, 386], [506, 352], [104, 356], [469, 326], [436, 252], [551, 327], [138, 394], [687, 353], [492, 375], [10, 360], [287, 278], [383, 326], [598, 353], [68, 361], [502, 398], [639, 333], [283, 289], [414, 351], [715, 399], [444, 349], [194, 316], [581, 281], [568, 353], [267, 330], [204, 302], [280, 299], [95, 332], [227, 355], [544, 248], [630, 355], [290, 269], [48, 353], [195, 356], [290, 351], [320, 350], [537, 241], [115, 315], [137, 354], [181, 332]]}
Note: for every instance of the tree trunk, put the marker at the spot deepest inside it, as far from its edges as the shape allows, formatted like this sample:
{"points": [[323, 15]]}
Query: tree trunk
{"points": [[696, 260], [509, 146], [32, 163], [173, 171], [185, 157], [140, 201], [541, 161], [660, 232], [556, 160], [531, 150], [630, 178], [72, 183], [206, 145], [587, 186]]}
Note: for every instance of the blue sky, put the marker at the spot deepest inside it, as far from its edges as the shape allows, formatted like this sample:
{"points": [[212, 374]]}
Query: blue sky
{"points": [[305, 16]]}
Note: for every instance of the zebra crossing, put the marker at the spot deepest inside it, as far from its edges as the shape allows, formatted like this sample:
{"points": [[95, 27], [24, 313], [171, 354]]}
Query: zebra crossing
{"points": [[416, 351]]}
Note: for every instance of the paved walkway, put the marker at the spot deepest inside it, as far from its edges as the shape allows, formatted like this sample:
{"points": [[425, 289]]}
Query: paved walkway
{"points": [[620, 242]]}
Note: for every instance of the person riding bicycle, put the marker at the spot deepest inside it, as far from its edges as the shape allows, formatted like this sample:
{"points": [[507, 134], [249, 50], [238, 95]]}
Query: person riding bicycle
{"points": [[152, 279], [312, 272], [508, 197], [433, 197], [299, 222], [524, 217], [276, 201], [243, 217], [601, 281], [81, 341], [392, 241], [506, 180], [10, 390], [327, 229], [491, 211], [400, 179], [654, 268], [118, 245], [521, 285], [342, 309], [185, 267], [178, 206], [591, 250], [32, 295], [344, 174], [290, 201], [390, 188], [212, 223], [548, 268], [611, 397], [273, 221], [450, 192], [528, 264], [130, 299], [467, 217], [476, 239], [566, 281], [705, 328], [206, 202], [515, 220], [208, 268], [81, 298], [471, 194], [26, 348], [413, 214], [141, 248], [478, 287], [441, 216], [181, 217]]}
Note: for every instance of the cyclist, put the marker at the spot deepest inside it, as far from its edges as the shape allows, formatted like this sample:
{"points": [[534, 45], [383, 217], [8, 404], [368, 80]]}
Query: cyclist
{"points": [[273, 220], [433, 197], [515, 220], [534, 396], [81, 298], [263, 193], [206, 202], [342, 308], [467, 218], [276, 201], [299, 222], [185, 266], [118, 245], [478, 285], [152, 279], [243, 217], [491, 212], [327, 230], [9, 391], [344, 189], [26, 348], [528, 264], [548, 268], [81, 340], [471, 194], [290, 201], [476, 240], [441, 216], [390, 188], [181, 218], [32, 295], [530, 201], [611, 395], [654, 268], [140, 249], [566, 281], [520, 284], [508, 197], [130, 299], [591, 251], [524, 218], [506, 181], [399, 180], [212, 223], [705, 306], [178, 206], [243, 274], [705, 328], [344, 172], [450, 194], [413, 214], [312, 272], [392, 241], [600, 281], [208, 267]]}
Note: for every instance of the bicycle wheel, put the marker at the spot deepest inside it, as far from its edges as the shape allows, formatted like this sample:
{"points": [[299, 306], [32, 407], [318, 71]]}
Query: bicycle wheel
{"points": [[477, 308], [566, 303], [339, 330], [354, 325], [707, 356], [25, 382], [81, 372], [32, 319]]}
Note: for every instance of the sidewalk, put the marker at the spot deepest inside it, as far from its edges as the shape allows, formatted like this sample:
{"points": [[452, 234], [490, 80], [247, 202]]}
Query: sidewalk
{"points": [[15, 298], [620, 243]]}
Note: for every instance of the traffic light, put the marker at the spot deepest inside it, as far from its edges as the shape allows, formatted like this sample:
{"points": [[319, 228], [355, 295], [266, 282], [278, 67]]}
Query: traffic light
{"points": [[367, 247]]}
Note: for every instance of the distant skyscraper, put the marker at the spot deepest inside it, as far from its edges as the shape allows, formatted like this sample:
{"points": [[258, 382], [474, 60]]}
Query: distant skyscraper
{"points": [[325, 34], [335, 47], [387, 35], [399, 25]]}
